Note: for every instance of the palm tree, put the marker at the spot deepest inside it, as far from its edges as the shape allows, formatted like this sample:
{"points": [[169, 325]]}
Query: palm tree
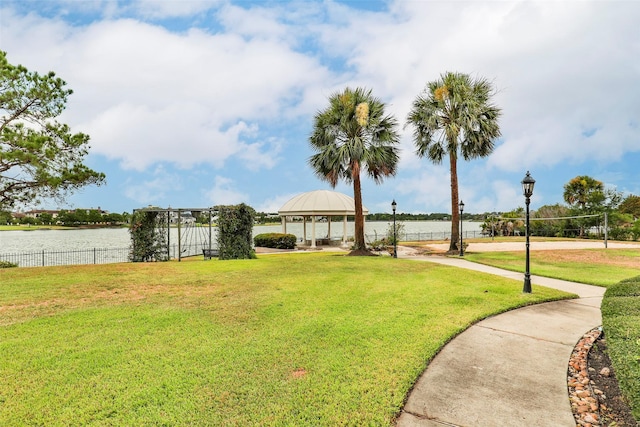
{"points": [[582, 190], [454, 116], [584, 193], [351, 135]]}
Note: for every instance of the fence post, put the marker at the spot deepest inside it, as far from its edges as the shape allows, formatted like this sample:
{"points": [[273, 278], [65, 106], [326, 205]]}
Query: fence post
{"points": [[94, 255], [43, 257]]}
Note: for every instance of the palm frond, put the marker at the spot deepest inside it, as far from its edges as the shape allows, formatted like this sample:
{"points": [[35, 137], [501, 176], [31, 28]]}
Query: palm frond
{"points": [[459, 108], [352, 137]]}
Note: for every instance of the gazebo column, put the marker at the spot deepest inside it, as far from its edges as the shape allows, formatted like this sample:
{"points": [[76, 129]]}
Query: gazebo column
{"points": [[313, 231], [284, 224], [344, 231], [304, 230], [329, 228], [364, 226]]}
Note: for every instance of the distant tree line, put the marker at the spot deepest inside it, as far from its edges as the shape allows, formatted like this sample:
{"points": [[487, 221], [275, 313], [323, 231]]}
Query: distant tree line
{"points": [[76, 217], [423, 217], [587, 200], [265, 218]]}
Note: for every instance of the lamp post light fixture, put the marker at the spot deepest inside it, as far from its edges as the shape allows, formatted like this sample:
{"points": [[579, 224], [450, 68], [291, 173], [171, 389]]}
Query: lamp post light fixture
{"points": [[395, 239], [461, 205], [527, 190]]}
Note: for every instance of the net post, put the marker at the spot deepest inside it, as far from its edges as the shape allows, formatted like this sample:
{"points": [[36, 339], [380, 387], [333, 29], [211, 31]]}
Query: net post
{"points": [[606, 229]]}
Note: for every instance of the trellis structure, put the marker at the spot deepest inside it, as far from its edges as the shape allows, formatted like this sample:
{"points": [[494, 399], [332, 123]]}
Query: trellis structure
{"points": [[179, 213]]}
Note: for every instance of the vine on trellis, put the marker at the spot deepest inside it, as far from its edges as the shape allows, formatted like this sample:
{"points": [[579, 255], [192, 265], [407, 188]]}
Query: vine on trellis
{"points": [[235, 229], [148, 231]]}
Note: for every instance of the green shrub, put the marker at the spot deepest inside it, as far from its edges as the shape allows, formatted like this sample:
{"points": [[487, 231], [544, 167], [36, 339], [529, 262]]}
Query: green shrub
{"points": [[275, 240], [399, 231], [379, 245], [635, 230], [7, 264], [626, 288], [621, 323], [620, 233]]}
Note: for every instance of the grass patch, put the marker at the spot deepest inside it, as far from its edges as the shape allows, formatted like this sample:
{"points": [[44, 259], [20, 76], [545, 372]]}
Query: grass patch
{"points": [[30, 227], [621, 322], [26, 227], [601, 267], [617, 269], [296, 339]]}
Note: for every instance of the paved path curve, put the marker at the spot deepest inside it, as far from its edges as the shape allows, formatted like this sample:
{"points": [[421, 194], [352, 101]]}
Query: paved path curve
{"points": [[536, 245], [509, 369]]}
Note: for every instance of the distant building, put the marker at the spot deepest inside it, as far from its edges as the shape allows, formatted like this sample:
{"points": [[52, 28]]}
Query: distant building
{"points": [[36, 213], [186, 217]]}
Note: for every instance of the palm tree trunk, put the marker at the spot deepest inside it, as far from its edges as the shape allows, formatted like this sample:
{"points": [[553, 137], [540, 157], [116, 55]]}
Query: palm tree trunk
{"points": [[359, 218], [455, 216]]}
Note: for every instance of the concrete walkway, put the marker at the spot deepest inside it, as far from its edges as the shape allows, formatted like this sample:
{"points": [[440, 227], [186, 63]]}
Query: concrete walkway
{"points": [[509, 369]]}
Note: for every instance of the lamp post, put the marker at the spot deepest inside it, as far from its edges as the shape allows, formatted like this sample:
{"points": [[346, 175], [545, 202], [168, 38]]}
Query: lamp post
{"points": [[395, 239], [461, 205], [527, 189]]}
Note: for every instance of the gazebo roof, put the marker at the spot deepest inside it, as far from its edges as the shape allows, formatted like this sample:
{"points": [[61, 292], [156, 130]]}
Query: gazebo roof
{"points": [[320, 202]]}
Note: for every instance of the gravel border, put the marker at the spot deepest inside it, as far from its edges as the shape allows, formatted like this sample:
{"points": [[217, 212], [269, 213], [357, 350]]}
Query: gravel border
{"points": [[584, 402]]}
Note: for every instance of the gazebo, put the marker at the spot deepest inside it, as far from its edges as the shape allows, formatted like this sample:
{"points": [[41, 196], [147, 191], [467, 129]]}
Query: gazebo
{"points": [[319, 203]]}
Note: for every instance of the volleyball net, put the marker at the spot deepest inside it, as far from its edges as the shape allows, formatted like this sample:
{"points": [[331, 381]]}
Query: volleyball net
{"points": [[592, 226]]}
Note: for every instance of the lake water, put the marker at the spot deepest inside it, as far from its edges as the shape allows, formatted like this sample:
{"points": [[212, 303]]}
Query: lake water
{"points": [[116, 238]]}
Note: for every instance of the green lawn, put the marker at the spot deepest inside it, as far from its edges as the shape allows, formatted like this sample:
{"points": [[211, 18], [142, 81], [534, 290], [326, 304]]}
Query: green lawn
{"points": [[618, 270], [601, 267], [26, 227], [30, 227], [308, 339]]}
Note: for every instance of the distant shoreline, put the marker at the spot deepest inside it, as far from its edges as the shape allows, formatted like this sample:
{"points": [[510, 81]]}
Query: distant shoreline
{"points": [[56, 227]]}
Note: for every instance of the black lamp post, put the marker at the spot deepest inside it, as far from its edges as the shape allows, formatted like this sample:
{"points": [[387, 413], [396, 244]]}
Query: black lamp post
{"points": [[461, 245], [395, 239], [527, 189]]}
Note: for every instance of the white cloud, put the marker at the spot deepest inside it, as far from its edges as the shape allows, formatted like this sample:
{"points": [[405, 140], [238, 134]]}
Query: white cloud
{"points": [[154, 190], [263, 154], [255, 22], [148, 95], [141, 136], [561, 68], [225, 193], [225, 83], [172, 8], [427, 189], [508, 196], [273, 204]]}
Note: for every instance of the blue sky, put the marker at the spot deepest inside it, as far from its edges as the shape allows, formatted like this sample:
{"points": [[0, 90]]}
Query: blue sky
{"points": [[199, 103]]}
